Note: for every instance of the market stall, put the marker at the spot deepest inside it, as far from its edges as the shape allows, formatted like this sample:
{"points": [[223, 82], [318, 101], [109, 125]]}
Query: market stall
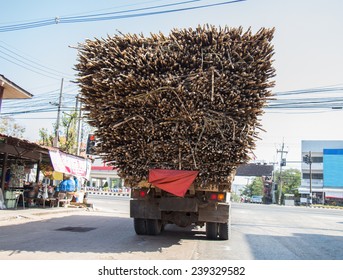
{"points": [[20, 162], [75, 171], [30, 174]]}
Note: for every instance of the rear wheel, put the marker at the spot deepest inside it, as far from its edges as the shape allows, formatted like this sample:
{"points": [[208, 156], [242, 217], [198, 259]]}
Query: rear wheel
{"points": [[223, 231], [153, 226], [140, 226], [211, 230]]}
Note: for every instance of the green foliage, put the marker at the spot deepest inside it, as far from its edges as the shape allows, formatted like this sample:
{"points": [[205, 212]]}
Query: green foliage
{"points": [[45, 138], [105, 187], [68, 140], [290, 179], [69, 122], [235, 197], [9, 127], [117, 182], [254, 188]]}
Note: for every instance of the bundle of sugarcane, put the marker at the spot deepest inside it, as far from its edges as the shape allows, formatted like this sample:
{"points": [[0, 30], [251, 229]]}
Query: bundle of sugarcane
{"points": [[190, 100]]}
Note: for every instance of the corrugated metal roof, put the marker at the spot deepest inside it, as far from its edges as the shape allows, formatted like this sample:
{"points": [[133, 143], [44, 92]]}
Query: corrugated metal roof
{"points": [[257, 170]]}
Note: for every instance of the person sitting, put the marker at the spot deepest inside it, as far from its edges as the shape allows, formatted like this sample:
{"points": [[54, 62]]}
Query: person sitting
{"points": [[68, 184]]}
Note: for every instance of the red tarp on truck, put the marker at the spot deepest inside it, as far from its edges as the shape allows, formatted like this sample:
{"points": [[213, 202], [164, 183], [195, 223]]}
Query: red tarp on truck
{"points": [[176, 182]]}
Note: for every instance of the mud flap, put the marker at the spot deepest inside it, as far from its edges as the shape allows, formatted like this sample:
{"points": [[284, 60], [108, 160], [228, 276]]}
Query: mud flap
{"points": [[144, 209], [214, 213]]}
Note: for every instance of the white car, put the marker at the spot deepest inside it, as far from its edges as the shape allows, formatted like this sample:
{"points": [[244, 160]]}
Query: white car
{"points": [[256, 199]]}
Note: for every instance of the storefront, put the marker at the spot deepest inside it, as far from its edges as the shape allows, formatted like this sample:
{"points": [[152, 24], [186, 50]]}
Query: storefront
{"points": [[20, 163], [30, 173]]}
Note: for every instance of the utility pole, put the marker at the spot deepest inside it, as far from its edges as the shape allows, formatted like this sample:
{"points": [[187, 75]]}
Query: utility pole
{"points": [[78, 125], [310, 163], [282, 151], [308, 160], [56, 144]]}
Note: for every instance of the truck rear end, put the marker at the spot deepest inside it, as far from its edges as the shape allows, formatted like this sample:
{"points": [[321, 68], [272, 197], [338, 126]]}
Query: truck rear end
{"points": [[152, 209], [190, 100]]}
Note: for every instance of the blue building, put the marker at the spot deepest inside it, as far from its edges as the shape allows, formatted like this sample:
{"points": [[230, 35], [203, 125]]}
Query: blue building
{"points": [[322, 170]]}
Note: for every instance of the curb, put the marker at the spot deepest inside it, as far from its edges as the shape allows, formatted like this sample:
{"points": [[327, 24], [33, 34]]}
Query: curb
{"points": [[9, 214], [108, 193]]}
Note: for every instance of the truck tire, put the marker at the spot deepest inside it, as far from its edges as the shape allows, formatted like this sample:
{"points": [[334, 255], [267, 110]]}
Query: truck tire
{"points": [[223, 231], [211, 231], [140, 226], [153, 226]]}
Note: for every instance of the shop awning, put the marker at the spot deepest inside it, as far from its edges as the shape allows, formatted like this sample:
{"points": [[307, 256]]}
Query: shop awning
{"points": [[22, 149], [333, 194], [176, 182]]}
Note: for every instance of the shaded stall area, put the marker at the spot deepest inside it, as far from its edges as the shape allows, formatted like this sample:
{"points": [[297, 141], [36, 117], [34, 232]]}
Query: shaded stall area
{"points": [[20, 166], [31, 174]]}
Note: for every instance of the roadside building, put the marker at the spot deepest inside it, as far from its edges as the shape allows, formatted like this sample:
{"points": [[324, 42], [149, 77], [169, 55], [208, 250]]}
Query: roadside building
{"points": [[103, 175], [10, 90], [321, 169], [28, 170]]}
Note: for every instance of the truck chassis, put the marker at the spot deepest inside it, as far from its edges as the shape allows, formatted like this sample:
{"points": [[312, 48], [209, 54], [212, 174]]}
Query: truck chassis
{"points": [[152, 209]]}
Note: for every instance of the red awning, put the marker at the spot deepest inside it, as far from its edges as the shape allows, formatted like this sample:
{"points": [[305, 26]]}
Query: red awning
{"points": [[176, 182], [332, 194]]}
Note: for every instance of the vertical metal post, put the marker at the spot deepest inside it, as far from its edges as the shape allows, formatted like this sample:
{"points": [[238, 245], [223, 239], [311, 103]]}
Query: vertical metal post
{"points": [[4, 169], [280, 179], [78, 127], [38, 170], [310, 163], [2, 89], [58, 116]]}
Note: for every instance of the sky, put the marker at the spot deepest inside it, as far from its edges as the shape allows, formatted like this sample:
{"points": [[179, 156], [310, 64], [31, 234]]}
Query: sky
{"points": [[308, 46]]}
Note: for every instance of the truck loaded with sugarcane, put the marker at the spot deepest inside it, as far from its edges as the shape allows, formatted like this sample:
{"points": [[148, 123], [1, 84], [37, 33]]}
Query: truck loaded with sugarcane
{"points": [[177, 114]]}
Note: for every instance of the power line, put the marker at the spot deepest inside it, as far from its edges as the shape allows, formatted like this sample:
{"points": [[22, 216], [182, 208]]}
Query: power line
{"points": [[26, 61], [38, 111], [309, 91], [94, 16], [37, 99], [121, 6], [111, 16], [332, 99], [38, 104], [36, 118], [89, 19], [48, 76], [307, 103]]}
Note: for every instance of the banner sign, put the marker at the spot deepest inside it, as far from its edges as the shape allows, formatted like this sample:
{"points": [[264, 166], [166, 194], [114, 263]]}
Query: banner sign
{"points": [[70, 164]]}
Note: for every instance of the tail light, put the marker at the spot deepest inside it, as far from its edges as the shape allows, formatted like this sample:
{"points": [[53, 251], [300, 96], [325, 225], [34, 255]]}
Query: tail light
{"points": [[142, 193], [220, 197], [139, 193]]}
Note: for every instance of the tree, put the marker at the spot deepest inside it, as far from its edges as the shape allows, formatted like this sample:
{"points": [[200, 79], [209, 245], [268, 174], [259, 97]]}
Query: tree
{"points": [[69, 142], [68, 139], [45, 138], [255, 188], [291, 181], [9, 127]]}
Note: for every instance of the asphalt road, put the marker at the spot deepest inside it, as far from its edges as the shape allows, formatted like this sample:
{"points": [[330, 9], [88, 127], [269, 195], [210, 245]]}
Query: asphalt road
{"points": [[259, 232]]}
